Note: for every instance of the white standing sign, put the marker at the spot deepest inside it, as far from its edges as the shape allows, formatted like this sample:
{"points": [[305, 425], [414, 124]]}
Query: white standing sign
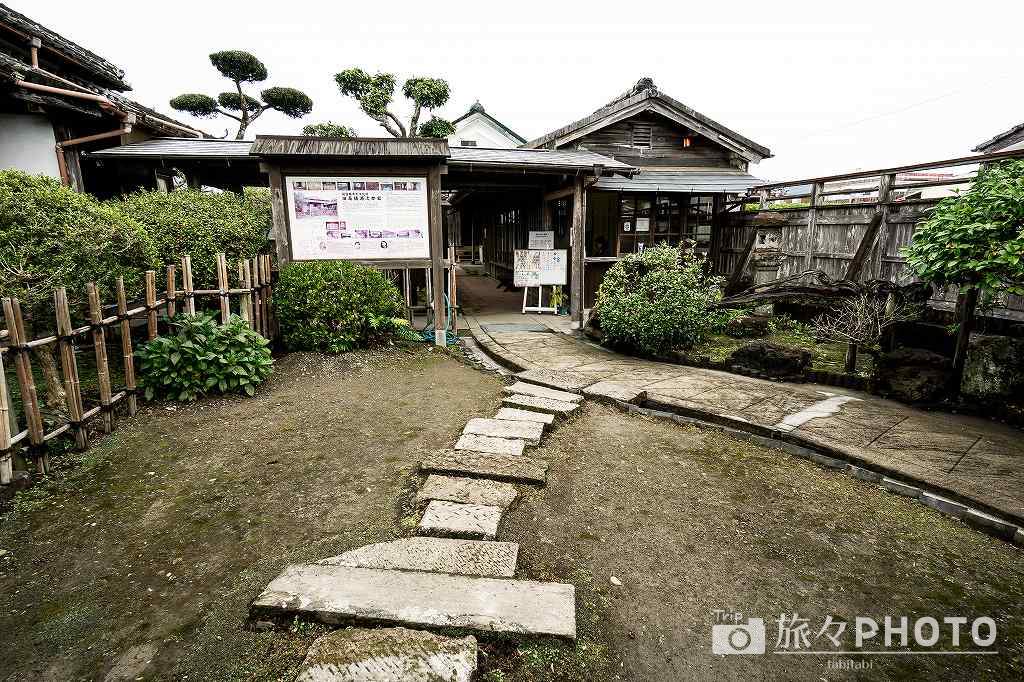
{"points": [[539, 268], [542, 240], [358, 217]]}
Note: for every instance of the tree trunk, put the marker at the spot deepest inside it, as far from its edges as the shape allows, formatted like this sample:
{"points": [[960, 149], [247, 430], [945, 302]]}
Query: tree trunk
{"points": [[850, 364], [54, 396], [966, 304]]}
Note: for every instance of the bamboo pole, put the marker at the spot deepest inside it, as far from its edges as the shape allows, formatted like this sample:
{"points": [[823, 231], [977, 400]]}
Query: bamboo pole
{"points": [[269, 299], [100, 344], [69, 368], [246, 302], [186, 283], [257, 298], [151, 303], [172, 291], [222, 285], [23, 367], [7, 426], [127, 353]]}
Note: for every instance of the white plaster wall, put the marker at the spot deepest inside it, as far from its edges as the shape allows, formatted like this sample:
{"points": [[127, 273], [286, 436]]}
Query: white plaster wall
{"points": [[486, 134], [27, 143]]}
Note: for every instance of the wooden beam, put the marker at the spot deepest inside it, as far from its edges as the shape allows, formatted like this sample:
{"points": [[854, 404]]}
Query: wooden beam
{"points": [[884, 199], [280, 215], [579, 216], [864, 247], [741, 263], [437, 254]]}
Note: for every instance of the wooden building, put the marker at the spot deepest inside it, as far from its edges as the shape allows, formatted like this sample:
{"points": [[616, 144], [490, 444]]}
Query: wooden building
{"points": [[58, 100]]}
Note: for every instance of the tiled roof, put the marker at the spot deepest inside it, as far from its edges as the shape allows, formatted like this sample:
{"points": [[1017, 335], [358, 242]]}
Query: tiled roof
{"points": [[682, 181]]}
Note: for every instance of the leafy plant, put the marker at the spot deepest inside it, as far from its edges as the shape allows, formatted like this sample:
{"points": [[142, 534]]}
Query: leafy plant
{"points": [[328, 129], [202, 224], [656, 301], [336, 306], [375, 94], [204, 357]]}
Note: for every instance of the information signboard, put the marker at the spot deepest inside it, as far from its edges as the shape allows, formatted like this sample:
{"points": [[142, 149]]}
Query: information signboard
{"points": [[535, 268], [358, 218], [542, 240]]}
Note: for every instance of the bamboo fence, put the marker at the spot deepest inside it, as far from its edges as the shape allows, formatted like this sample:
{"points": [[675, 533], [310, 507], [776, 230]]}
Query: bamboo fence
{"points": [[254, 304]]}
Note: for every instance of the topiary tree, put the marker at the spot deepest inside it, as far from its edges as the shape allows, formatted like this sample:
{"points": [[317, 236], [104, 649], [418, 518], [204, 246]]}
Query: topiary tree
{"points": [[328, 129], [653, 302], [52, 236], [375, 94], [242, 67], [974, 241], [202, 224]]}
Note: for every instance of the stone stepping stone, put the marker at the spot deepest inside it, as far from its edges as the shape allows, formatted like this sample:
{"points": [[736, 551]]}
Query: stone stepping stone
{"points": [[388, 654], [611, 392], [494, 446], [498, 467], [440, 555], [341, 594], [530, 432], [456, 520], [467, 491], [513, 414], [561, 380], [536, 404], [523, 388]]}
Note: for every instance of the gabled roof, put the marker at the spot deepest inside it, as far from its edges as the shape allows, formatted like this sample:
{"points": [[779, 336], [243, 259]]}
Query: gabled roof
{"points": [[105, 73], [478, 108], [645, 96], [1011, 136]]}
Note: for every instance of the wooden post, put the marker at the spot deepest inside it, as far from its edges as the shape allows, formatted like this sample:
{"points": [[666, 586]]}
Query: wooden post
{"points": [[150, 304], [7, 428], [254, 279], [966, 304], [222, 284], [885, 184], [26, 382], [186, 284], [172, 291], [69, 368], [436, 255], [576, 263], [268, 295], [126, 348], [850, 362], [245, 304], [99, 342], [279, 213], [812, 225]]}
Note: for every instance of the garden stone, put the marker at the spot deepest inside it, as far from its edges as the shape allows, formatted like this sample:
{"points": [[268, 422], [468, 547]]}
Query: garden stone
{"points": [[466, 490], [341, 594], [530, 402], [994, 369], [497, 446], [364, 655], [557, 379], [523, 388], [990, 524], [770, 359], [611, 392], [498, 467], [512, 414], [440, 555], [501, 428], [455, 520], [748, 326], [913, 375]]}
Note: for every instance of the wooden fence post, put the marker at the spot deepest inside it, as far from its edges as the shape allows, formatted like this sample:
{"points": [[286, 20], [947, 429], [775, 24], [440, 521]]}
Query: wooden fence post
{"points": [[23, 367], [245, 306], [126, 348], [186, 284], [966, 304], [172, 291], [271, 319], [69, 368], [261, 264], [150, 304], [254, 283], [222, 285], [6, 429], [99, 340], [812, 225]]}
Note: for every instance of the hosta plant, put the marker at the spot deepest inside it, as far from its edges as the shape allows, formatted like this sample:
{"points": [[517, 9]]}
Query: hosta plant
{"points": [[203, 357]]}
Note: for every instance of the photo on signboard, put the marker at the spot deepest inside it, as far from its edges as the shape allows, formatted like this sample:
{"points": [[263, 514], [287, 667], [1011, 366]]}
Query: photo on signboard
{"points": [[343, 186], [359, 185], [330, 186], [311, 206], [373, 186]]}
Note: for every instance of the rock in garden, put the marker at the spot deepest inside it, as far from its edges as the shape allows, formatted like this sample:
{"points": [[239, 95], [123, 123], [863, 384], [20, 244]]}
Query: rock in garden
{"points": [[913, 375], [770, 359], [748, 326], [362, 655], [995, 368]]}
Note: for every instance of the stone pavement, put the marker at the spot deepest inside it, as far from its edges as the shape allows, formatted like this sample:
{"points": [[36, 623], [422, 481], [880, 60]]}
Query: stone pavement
{"points": [[972, 460]]}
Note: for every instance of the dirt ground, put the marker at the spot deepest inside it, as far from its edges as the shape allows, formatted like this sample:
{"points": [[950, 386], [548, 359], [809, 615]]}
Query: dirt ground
{"points": [[139, 560]]}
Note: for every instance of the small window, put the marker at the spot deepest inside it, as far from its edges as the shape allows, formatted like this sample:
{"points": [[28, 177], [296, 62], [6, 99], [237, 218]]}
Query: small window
{"points": [[467, 143], [642, 135]]}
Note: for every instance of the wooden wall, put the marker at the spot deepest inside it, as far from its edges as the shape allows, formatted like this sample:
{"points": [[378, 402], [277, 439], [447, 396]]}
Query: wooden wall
{"points": [[666, 144]]}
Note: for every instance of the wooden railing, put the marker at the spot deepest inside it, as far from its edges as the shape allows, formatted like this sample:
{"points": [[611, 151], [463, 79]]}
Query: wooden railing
{"points": [[254, 304], [852, 225]]}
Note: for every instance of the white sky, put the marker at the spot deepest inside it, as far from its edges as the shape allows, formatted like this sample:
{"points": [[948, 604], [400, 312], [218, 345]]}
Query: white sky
{"points": [[827, 86]]}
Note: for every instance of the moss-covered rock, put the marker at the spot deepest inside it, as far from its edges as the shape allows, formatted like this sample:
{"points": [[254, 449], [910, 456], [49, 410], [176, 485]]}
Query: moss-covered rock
{"points": [[994, 368]]}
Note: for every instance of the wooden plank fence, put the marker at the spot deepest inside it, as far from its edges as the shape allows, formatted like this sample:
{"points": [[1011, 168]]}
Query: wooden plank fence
{"points": [[853, 225], [252, 290]]}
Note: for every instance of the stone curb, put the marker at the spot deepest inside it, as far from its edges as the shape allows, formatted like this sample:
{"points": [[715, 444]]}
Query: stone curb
{"points": [[493, 350], [971, 512]]}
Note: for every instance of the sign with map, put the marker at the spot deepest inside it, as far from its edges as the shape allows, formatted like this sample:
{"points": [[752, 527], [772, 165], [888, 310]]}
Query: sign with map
{"points": [[358, 218], [535, 268]]}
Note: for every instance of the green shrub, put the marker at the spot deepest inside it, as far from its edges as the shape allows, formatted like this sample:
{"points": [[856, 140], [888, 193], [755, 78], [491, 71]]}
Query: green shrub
{"points": [[653, 302], [203, 357], [52, 236], [202, 224], [336, 306]]}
